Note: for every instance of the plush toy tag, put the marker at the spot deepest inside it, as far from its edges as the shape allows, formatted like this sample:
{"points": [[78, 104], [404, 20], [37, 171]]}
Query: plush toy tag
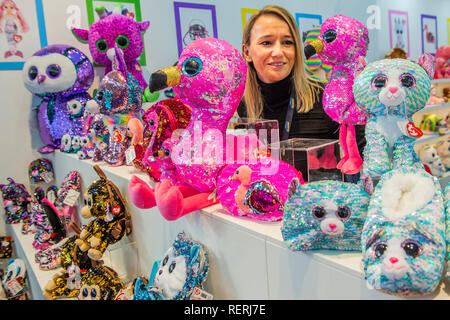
{"points": [[117, 136], [413, 131], [199, 294], [71, 197], [116, 210], [47, 176], [130, 154], [14, 287]]}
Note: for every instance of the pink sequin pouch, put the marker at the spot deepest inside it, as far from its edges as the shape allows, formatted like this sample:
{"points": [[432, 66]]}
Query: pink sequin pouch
{"points": [[257, 190]]}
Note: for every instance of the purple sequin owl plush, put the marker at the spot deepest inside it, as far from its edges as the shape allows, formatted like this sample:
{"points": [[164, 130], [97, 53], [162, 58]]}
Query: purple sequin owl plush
{"points": [[60, 75], [116, 31]]}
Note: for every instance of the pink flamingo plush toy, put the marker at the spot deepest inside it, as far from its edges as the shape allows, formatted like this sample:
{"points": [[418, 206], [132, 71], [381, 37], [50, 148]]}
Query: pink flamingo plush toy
{"points": [[343, 43], [210, 78]]}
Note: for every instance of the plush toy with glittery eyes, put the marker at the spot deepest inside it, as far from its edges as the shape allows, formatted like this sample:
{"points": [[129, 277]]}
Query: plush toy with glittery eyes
{"points": [[343, 43], [183, 268], [325, 215], [404, 236], [60, 75], [392, 90], [210, 78], [15, 201], [112, 32], [40, 170], [100, 283], [14, 280], [105, 204]]}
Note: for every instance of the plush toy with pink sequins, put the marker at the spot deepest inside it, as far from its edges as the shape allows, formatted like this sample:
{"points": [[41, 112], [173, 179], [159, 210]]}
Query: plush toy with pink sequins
{"points": [[116, 31], [210, 78], [343, 43]]}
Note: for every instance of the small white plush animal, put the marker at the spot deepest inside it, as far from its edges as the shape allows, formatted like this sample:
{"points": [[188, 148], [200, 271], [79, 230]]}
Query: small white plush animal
{"points": [[428, 154]]}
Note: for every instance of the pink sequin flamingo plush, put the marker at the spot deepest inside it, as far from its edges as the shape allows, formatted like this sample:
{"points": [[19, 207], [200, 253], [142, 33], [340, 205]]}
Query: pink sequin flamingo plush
{"points": [[343, 43], [210, 78]]}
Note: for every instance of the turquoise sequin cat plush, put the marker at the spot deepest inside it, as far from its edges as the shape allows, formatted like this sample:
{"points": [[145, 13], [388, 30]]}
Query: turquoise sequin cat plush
{"points": [[403, 240], [391, 91]]}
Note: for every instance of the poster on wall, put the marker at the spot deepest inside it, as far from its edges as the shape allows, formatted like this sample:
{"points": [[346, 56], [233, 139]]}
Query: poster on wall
{"points": [[399, 30], [130, 8], [22, 32], [429, 33], [307, 22], [193, 21], [246, 13]]}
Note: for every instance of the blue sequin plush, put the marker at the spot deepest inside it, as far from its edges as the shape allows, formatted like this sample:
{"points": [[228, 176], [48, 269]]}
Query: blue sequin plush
{"points": [[403, 240], [184, 267], [392, 90], [325, 215]]}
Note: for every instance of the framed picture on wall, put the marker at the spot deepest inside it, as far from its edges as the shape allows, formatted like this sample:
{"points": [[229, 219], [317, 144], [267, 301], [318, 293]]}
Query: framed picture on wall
{"points": [[131, 8], [22, 32], [307, 22], [429, 33], [193, 21], [246, 13], [399, 30]]}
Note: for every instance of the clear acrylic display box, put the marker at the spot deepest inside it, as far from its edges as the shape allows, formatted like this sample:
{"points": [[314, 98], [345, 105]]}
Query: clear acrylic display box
{"points": [[316, 159]]}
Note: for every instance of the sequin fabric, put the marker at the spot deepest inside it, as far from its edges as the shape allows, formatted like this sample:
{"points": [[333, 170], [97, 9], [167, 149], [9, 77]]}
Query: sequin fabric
{"points": [[15, 201], [343, 53], [197, 268], [70, 183], [120, 99], [160, 121], [313, 220], [213, 94], [54, 118], [37, 168], [388, 240], [447, 230], [266, 191], [388, 143], [108, 30], [100, 283]]}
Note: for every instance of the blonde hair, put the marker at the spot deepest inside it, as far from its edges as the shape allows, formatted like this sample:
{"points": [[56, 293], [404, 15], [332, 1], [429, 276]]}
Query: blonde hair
{"points": [[305, 88]]}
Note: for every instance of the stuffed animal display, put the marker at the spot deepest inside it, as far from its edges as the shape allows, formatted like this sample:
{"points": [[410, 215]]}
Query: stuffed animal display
{"points": [[60, 75], [343, 43], [184, 267], [431, 160], [392, 90], [119, 100], [325, 215], [432, 124], [403, 239], [15, 201], [66, 199], [112, 32]]}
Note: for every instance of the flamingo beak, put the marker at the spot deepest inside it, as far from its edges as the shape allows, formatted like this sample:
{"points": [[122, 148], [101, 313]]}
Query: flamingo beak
{"points": [[313, 47], [164, 78]]}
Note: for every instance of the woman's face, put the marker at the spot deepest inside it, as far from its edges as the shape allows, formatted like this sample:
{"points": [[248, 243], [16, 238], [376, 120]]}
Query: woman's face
{"points": [[271, 49]]}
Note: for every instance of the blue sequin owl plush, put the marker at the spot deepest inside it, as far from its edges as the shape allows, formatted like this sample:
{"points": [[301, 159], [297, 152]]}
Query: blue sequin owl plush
{"points": [[325, 215], [403, 239], [391, 91], [60, 75], [183, 268]]}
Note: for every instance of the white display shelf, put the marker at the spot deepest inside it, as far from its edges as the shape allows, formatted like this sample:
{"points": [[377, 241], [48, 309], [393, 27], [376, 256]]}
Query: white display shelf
{"points": [[248, 259], [430, 137], [440, 80], [434, 107]]}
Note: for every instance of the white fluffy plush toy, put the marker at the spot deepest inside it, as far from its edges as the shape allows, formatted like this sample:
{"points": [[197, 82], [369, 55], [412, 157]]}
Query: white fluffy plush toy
{"points": [[428, 154]]}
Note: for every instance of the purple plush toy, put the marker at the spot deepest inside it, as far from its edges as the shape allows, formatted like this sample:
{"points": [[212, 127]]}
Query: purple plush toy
{"points": [[115, 31], [60, 75]]}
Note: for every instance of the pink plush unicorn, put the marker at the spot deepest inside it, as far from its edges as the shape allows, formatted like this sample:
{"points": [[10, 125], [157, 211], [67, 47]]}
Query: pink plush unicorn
{"points": [[343, 43], [210, 77]]}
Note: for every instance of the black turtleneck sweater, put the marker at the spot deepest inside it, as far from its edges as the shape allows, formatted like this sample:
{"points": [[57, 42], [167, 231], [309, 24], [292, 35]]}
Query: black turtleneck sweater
{"points": [[313, 124]]}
